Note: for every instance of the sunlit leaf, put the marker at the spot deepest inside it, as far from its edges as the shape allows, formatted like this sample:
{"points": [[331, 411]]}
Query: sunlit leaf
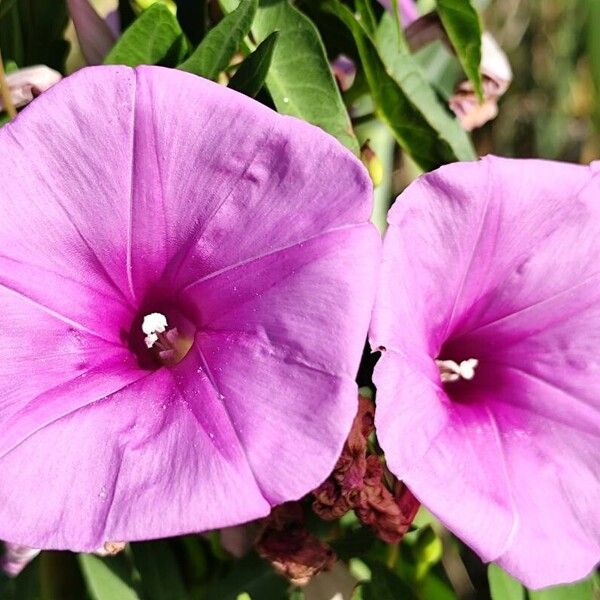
{"points": [[406, 71], [300, 80], [154, 38], [503, 586], [412, 129], [583, 590], [462, 24], [218, 46], [105, 579]]}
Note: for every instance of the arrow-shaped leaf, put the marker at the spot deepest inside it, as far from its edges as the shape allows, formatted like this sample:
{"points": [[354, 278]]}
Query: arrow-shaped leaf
{"points": [[250, 77], [214, 53]]}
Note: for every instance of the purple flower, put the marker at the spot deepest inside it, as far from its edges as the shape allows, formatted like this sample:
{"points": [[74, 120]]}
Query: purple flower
{"points": [[488, 392], [96, 35], [16, 558], [344, 71], [185, 296]]}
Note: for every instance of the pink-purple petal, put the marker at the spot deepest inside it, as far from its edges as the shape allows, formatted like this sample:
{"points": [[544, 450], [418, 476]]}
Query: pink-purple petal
{"points": [[252, 351], [496, 260], [69, 171], [253, 228], [158, 458]]}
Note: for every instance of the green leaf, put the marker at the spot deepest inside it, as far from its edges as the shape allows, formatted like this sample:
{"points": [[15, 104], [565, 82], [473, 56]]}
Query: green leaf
{"points": [[384, 585], [159, 570], [106, 578], [433, 587], [300, 80], [218, 46], [415, 134], [252, 576], [408, 74], [462, 24], [583, 590], [428, 547], [503, 586], [154, 38], [250, 77]]}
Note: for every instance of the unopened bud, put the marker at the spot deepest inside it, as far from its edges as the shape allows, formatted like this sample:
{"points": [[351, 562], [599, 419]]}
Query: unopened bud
{"points": [[496, 73], [344, 70], [496, 76], [16, 558], [26, 84], [94, 33]]}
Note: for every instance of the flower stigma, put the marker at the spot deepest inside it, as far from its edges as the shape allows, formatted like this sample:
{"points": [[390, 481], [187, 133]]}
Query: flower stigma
{"points": [[453, 371], [168, 344]]}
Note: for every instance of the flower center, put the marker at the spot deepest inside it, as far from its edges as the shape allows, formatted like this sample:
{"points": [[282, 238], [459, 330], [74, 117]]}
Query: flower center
{"points": [[453, 371], [168, 344]]}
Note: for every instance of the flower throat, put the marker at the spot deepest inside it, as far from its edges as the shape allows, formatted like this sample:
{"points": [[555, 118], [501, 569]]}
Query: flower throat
{"points": [[167, 345]]}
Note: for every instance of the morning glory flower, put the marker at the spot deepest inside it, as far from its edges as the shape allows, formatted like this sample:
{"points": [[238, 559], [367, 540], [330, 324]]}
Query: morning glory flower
{"points": [[15, 558], [96, 35], [186, 281], [488, 390]]}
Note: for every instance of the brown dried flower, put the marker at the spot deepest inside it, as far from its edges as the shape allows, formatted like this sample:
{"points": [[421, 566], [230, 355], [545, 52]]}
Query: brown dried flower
{"points": [[293, 551]]}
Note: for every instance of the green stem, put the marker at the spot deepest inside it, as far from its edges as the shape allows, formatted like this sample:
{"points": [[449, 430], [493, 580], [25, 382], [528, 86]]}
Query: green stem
{"points": [[392, 555], [9, 107], [382, 142]]}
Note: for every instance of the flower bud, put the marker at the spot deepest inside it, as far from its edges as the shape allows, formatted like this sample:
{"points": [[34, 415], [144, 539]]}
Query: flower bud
{"points": [[26, 84], [93, 32], [16, 558], [373, 163]]}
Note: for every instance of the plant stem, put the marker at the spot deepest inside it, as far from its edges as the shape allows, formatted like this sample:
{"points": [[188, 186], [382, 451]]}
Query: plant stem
{"points": [[5, 92], [392, 555]]}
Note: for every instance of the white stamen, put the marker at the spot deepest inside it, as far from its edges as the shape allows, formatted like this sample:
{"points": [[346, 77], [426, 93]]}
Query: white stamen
{"points": [[452, 371], [153, 324], [467, 368], [150, 340]]}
